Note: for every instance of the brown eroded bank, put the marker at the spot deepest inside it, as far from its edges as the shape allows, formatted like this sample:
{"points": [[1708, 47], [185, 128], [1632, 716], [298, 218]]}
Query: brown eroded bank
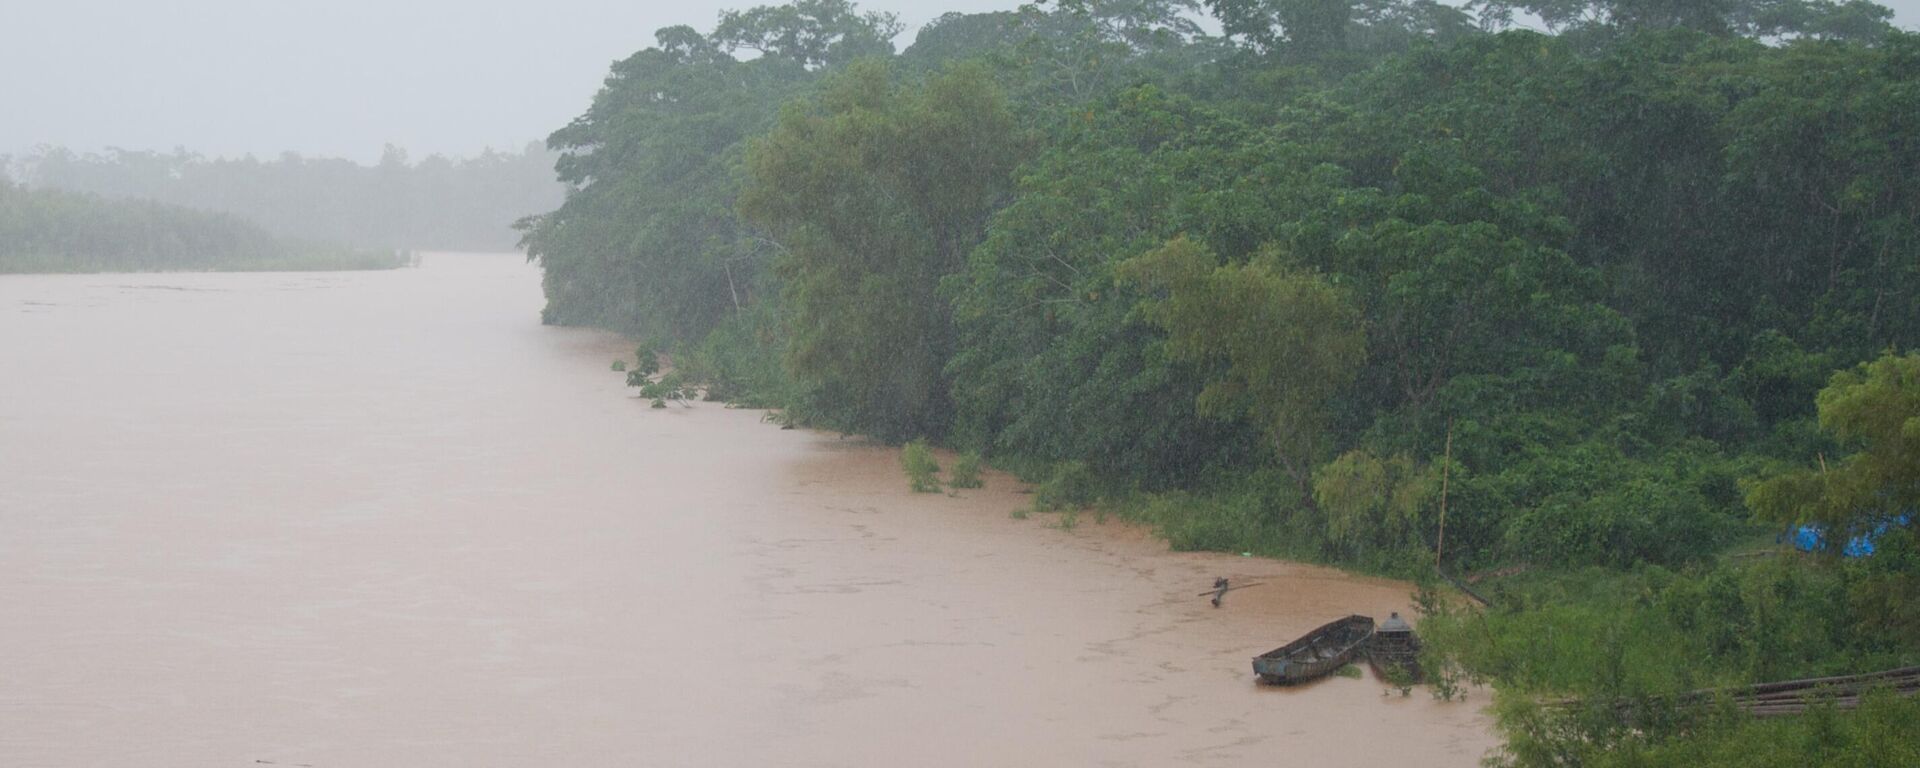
{"points": [[386, 519]]}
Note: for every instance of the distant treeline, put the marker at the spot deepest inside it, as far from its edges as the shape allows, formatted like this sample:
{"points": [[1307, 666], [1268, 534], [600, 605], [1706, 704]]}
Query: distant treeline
{"points": [[433, 204], [1273, 290], [53, 231]]}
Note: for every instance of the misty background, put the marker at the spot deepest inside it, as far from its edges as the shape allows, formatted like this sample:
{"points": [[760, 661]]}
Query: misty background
{"points": [[374, 125], [341, 78]]}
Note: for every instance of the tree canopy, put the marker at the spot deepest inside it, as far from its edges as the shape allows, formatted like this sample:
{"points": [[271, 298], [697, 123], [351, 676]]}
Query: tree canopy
{"points": [[1265, 288]]}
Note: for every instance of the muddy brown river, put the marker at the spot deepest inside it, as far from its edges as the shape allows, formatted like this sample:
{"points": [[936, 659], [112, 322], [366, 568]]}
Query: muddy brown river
{"points": [[388, 519]]}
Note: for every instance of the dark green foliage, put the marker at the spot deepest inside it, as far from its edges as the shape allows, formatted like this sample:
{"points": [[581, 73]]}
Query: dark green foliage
{"points": [[1272, 292], [1323, 28], [646, 362], [880, 190], [648, 241], [646, 375], [1286, 342], [1612, 265], [1607, 636], [1880, 733], [1838, 19], [670, 386], [1872, 411], [810, 33], [741, 362], [1052, 361]]}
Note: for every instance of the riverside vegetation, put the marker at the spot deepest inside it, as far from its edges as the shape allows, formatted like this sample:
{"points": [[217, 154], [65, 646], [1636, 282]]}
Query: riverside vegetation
{"points": [[433, 203], [44, 230], [1623, 300]]}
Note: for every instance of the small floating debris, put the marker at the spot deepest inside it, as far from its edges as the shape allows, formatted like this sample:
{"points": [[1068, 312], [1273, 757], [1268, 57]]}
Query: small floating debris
{"points": [[1220, 589]]}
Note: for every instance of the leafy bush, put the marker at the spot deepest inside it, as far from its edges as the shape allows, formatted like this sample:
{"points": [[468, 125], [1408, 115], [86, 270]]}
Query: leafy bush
{"points": [[1880, 732], [648, 362], [966, 471], [668, 387], [922, 469], [1071, 486], [740, 363]]}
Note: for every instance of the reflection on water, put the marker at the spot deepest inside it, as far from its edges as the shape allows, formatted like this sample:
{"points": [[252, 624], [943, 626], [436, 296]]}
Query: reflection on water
{"points": [[387, 519]]}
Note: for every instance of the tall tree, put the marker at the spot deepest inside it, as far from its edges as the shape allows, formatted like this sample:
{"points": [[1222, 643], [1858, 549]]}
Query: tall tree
{"points": [[1290, 341], [878, 191], [1835, 19], [1315, 28], [649, 240], [810, 33], [1874, 491], [1873, 411]]}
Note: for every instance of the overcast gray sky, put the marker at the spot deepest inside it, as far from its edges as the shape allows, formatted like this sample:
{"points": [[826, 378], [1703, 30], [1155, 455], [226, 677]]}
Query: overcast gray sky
{"points": [[337, 77]]}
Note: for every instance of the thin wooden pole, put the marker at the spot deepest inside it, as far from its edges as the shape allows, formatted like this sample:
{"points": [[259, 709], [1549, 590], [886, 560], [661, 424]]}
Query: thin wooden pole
{"points": [[1446, 465]]}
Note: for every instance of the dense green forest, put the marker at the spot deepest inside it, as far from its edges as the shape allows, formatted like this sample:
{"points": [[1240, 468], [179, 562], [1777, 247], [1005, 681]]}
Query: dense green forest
{"points": [[1385, 283], [435, 203], [53, 231]]}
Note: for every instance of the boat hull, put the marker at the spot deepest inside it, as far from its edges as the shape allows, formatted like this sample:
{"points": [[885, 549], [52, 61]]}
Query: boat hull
{"points": [[1316, 654], [1396, 655]]}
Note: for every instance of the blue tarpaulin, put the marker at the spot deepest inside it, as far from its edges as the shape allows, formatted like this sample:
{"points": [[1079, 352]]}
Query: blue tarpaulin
{"points": [[1810, 538]]}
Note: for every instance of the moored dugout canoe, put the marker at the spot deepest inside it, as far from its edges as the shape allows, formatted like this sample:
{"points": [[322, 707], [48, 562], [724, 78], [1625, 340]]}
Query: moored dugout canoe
{"points": [[1315, 654], [1394, 651]]}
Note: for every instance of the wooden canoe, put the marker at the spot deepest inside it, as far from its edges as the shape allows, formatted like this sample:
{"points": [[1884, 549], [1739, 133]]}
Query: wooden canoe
{"points": [[1315, 654]]}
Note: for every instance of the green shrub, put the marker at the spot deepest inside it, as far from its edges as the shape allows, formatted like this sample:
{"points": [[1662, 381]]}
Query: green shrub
{"points": [[619, 365], [966, 471], [1071, 486], [668, 387], [1231, 522], [740, 363], [648, 362], [1880, 732], [922, 469]]}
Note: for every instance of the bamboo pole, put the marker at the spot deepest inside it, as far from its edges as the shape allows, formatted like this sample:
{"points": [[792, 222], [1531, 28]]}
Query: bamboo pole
{"points": [[1794, 696], [1446, 465]]}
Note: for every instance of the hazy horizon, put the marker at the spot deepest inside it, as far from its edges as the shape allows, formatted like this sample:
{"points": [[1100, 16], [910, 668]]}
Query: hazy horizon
{"points": [[341, 78], [232, 77]]}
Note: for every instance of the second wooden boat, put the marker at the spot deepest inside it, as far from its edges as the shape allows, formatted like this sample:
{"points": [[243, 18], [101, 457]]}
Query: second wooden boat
{"points": [[1394, 651], [1315, 654]]}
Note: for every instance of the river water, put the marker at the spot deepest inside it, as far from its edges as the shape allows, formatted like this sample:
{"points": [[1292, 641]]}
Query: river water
{"points": [[388, 519]]}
